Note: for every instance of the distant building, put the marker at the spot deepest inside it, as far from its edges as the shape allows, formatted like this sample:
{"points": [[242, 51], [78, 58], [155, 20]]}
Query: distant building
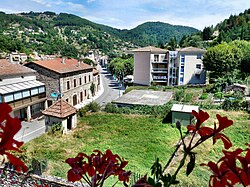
{"points": [[68, 79], [20, 89], [15, 57], [163, 67]]}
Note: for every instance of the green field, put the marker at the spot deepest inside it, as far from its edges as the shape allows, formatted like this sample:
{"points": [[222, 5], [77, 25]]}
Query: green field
{"points": [[139, 139]]}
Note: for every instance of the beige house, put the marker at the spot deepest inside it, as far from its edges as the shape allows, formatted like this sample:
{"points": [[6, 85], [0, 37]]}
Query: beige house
{"points": [[163, 67], [68, 79], [20, 89]]}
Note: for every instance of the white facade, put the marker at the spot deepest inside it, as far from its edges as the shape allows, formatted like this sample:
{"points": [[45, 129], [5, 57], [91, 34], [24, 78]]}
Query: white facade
{"points": [[162, 67]]}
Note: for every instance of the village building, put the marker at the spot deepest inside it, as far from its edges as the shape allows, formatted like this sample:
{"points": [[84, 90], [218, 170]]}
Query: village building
{"points": [[162, 67], [20, 89], [68, 79]]}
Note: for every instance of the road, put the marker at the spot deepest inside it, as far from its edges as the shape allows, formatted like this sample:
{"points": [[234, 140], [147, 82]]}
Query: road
{"points": [[111, 88]]}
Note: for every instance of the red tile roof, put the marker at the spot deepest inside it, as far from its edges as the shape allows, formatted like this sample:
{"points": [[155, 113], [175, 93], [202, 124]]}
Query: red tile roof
{"points": [[60, 109], [63, 66], [9, 69], [95, 71]]}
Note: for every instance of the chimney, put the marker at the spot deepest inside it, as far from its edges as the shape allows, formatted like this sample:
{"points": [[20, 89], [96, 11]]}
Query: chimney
{"points": [[63, 60]]}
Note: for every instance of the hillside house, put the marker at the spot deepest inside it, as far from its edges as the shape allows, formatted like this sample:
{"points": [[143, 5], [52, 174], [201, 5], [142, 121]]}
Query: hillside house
{"points": [[68, 79]]}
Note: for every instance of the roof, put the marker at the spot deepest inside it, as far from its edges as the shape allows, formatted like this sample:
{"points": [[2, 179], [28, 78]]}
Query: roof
{"points": [[95, 71], [60, 109], [61, 65], [144, 97], [184, 108], [9, 69], [191, 49], [151, 49], [15, 87]]}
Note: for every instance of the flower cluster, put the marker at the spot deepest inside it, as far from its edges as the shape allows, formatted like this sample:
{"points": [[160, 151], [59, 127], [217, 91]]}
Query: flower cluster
{"points": [[97, 167], [208, 132], [8, 128], [226, 172]]}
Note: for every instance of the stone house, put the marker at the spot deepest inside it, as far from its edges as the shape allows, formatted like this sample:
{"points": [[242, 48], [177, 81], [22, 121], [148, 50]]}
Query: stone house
{"points": [[68, 79]]}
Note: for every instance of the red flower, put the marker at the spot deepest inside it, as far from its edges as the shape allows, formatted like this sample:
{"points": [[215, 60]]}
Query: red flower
{"points": [[10, 126], [200, 118], [224, 122]]}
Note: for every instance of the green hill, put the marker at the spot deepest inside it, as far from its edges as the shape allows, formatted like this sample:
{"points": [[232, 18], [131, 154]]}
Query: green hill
{"points": [[70, 35]]}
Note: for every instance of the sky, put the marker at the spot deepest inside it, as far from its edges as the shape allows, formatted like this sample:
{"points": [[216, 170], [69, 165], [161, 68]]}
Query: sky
{"points": [[127, 14]]}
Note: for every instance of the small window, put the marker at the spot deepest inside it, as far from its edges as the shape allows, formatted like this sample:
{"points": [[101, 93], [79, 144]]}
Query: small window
{"points": [[89, 78], [67, 100], [182, 58], [181, 79], [8, 98], [18, 95], [199, 56], [156, 58], [85, 79], [68, 85], [26, 93], [85, 93], [198, 66], [34, 91], [80, 81], [74, 82], [41, 89]]}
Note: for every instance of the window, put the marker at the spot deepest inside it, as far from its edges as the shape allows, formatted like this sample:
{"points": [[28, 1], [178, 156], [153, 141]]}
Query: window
{"points": [[26, 93], [181, 79], [85, 79], [8, 98], [34, 91], [74, 82], [182, 68], [198, 66], [85, 93], [156, 58], [18, 95], [1, 100], [68, 85], [67, 100], [81, 96], [89, 78], [80, 81], [182, 58], [199, 56], [41, 89]]}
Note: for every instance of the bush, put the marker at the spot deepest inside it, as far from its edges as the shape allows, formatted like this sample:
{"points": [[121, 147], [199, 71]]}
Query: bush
{"points": [[229, 104], [219, 95], [92, 107], [203, 96], [55, 129], [110, 108], [188, 97], [82, 112], [179, 94]]}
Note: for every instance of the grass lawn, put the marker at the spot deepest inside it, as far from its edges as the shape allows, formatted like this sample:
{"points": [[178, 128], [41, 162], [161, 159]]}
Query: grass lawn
{"points": [[139, 139]]}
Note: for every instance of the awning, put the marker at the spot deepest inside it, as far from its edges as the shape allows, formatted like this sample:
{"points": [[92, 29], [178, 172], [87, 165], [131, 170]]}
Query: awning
{"points": [[15, 87]]}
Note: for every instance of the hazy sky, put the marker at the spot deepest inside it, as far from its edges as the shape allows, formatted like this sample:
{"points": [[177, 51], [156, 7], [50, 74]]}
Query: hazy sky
{"points": [[127, 14]]}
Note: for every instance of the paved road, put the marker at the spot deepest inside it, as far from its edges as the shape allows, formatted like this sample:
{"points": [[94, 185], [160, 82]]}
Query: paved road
{"points": [[30, 130], [111, 88]]}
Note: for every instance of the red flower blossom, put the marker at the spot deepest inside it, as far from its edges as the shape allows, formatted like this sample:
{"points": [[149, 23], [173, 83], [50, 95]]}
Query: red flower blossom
{"points": [[99, 166], [9, 127]]}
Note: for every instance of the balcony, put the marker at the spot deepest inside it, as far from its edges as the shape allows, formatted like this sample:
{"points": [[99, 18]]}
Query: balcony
{"points": [[165, 61], [160, 78], [159, 70]]}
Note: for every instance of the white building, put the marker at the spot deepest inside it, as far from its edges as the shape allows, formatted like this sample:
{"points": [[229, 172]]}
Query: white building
{"points": [[163, 67]]}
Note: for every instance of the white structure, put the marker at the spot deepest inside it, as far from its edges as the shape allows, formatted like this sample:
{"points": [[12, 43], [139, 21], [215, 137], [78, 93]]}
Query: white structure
{"points": [[163, 67], [20, 89]]}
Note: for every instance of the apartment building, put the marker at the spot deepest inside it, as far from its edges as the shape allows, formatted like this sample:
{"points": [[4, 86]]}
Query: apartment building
{"points": [[20, 89], [162, 67], [69, 79]]}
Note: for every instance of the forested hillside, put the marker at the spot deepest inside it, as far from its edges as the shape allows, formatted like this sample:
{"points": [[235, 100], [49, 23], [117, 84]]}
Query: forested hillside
{"points": [[69, 35]]}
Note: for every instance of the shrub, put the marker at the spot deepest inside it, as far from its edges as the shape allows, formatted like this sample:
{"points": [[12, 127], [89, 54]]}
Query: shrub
{"points": [[110, 108], [229, 104], [188, 97], [218, 95], [203, 96], [92, 107], [179, 94], [56, 129], [82, 112]]}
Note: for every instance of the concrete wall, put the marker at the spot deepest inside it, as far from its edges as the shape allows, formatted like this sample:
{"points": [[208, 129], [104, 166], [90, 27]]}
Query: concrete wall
{"points": [[142, 74]]}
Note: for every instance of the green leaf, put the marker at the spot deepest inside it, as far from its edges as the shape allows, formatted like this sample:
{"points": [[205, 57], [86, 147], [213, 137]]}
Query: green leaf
{"points": [[191, 163], [151, 181]]}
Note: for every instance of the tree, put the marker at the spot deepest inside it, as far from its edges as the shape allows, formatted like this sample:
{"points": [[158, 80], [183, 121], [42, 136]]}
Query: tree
{"points": [[223, 59], [207, 33], [92, 89], [172, 44]]}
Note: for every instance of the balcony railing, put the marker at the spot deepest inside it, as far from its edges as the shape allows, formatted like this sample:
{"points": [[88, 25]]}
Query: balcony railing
{"points": [[160, 78], [159, 61], [161, 70]]}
